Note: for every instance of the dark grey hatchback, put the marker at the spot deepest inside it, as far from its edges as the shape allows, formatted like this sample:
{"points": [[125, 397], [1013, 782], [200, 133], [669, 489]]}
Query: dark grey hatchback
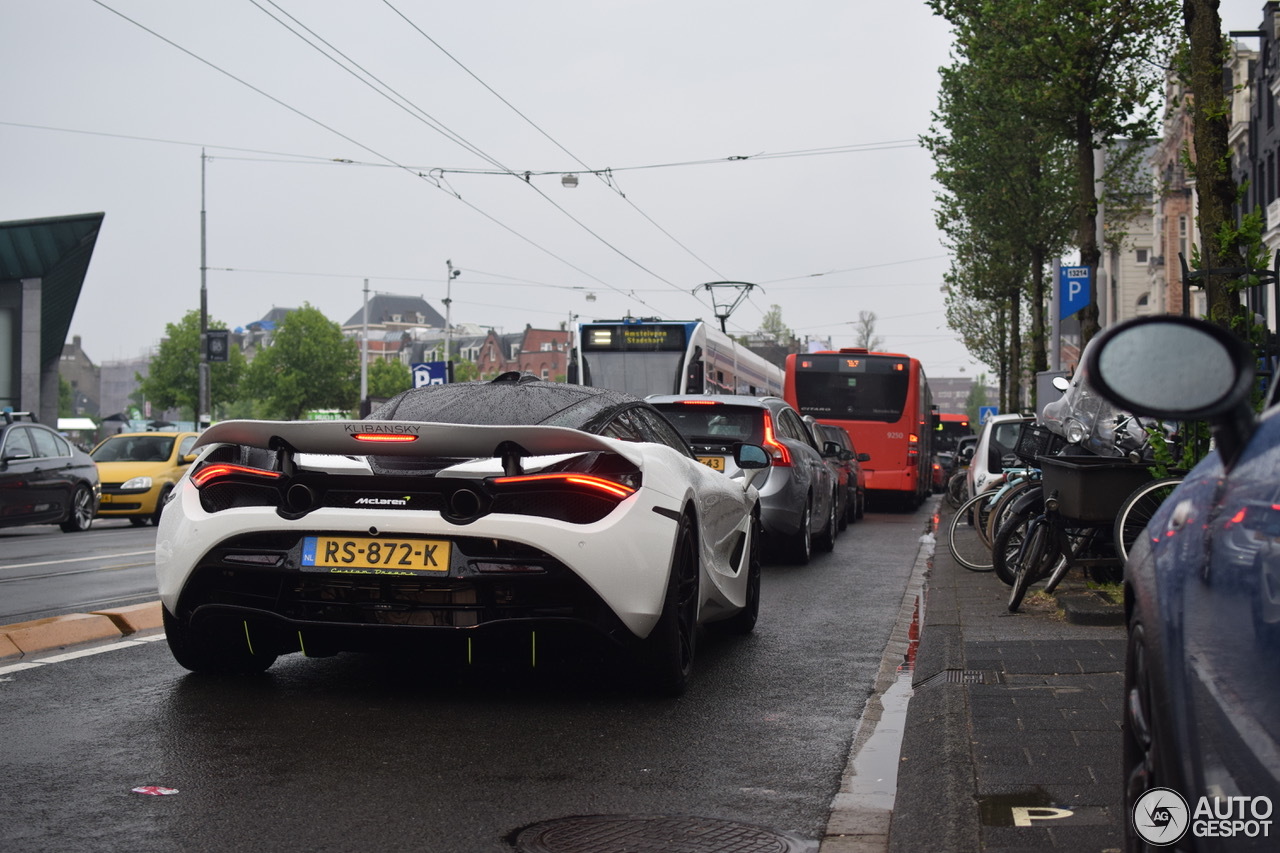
{"points": [[44, 479]]}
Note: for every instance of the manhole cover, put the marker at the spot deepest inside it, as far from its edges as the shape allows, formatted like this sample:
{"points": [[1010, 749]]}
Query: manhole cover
{"points": [[653, 834]]}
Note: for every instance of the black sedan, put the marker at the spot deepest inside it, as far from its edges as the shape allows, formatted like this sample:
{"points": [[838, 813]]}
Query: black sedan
{"points": [[44, 479]]}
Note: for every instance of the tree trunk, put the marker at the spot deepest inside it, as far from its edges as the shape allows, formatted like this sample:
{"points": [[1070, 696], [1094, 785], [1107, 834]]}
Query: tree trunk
{"points": [[1015, 349], [1215, 185], [1087, 223], [1039, 342]]}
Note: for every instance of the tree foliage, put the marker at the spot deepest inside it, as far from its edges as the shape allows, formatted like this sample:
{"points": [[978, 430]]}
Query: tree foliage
{"points": [[1034, 87], [173, 379], [388, 378], [309, 365]]}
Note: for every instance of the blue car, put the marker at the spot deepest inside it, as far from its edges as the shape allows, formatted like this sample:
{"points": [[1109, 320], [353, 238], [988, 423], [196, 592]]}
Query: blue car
{"points": [[1202, 594]]}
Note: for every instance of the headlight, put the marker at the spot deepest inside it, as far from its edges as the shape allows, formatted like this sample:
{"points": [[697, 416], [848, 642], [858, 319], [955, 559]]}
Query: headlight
{"points": [[1075, 432], [137, 483]]}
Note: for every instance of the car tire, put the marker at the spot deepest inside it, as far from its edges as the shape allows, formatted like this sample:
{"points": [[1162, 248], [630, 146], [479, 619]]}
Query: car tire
{"points": [[139, 520], [666, 655], [801, 542], [862, 505], [81, 517], [160, 502], [845, 512], [826, 540], [744, 621], [223, 650], [1142, 756]]}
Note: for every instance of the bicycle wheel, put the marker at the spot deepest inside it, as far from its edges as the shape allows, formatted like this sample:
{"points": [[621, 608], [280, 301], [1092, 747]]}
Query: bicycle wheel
{"points": [[1003, 506], [1029, 562], [964, 537], [1008, 542], [956, 487], [1137, 510]]}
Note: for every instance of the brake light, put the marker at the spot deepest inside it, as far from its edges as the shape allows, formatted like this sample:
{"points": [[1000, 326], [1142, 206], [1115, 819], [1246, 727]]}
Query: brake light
{"points": [[383, 437], [781, 455], [913, 444], [600, 484], [700, 402], [222, 470]]}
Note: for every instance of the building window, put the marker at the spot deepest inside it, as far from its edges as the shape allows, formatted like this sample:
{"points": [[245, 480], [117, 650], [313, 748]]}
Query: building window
{"points": [[1140, 256]]}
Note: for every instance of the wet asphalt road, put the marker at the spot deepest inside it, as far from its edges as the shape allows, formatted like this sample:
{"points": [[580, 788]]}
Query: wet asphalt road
{"points": [[356, 753]]}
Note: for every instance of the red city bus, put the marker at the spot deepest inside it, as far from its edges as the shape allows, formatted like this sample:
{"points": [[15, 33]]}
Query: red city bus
{"points": [[883, 401], [949, 429]]}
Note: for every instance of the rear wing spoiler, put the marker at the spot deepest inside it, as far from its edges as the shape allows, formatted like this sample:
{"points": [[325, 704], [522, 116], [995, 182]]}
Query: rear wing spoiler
{"points": [[413, 439]]}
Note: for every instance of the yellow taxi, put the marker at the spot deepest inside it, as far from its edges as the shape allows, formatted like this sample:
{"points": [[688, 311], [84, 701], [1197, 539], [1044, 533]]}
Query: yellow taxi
{"points": [[138, 471]]}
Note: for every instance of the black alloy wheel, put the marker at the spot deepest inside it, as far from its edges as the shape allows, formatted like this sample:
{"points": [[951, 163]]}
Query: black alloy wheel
{"points": [[225, 649], [667, 653], [1141, 757]]}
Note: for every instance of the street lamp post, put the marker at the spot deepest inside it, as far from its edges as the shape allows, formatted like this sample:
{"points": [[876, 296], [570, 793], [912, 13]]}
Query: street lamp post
{"points": [[203, 408], [448, 301]]}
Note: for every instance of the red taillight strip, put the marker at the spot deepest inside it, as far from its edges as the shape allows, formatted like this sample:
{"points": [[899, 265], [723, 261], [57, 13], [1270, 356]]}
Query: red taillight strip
{"points": [[224, 469], [700, 402], [395, 438], [781, 455], [609, 486]]}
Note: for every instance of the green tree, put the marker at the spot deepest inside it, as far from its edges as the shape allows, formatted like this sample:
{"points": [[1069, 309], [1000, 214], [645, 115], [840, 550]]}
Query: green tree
{"points": [[309, 365], [64, 398], [1087, 71], [173, 379], [771, 325], [389, 378], [976, 399]]}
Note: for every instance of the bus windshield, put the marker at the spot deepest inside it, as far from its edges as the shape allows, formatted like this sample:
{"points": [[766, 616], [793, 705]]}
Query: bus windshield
{"points": [[852, 387]]}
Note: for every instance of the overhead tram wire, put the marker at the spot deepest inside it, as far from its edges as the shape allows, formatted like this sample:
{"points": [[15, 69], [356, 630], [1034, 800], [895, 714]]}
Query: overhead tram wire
{"points": [[370, 150], [417, 112], [597, 173]]}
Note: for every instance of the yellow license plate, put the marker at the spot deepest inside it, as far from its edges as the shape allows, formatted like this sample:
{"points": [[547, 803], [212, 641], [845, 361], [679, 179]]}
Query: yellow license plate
{"points": [[715, 462], [375, 556]]}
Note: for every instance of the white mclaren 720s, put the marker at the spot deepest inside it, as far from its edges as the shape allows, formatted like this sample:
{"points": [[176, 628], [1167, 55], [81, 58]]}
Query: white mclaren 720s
{"points": [[456, 519]]}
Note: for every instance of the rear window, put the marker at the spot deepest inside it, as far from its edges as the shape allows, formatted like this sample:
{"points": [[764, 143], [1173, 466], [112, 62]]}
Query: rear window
{"points": [[700, 423]]}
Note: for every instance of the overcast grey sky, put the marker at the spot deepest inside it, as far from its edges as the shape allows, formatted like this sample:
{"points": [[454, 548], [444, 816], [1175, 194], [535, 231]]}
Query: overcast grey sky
{"points": [[774, 144]]}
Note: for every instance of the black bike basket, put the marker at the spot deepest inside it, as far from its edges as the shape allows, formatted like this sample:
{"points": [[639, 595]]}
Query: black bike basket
{"points": [[1091, 488]]}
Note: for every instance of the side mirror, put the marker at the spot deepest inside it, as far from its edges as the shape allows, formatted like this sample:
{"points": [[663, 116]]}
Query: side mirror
{"points": [[1177, 368], [748, 456], [1062, 383], [830, 448], [864, 457]]}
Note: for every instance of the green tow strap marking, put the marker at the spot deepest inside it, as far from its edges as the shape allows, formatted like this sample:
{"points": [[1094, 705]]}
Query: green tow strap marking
{"points": [[248, 641]]}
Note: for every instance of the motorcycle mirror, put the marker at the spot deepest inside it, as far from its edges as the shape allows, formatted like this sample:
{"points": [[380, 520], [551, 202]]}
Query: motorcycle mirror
{"points": [[1062, 383]]}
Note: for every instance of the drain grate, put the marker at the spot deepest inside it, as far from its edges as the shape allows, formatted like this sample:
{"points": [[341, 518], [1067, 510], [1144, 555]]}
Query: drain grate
{"points": [[955, 676], [653, 834]]}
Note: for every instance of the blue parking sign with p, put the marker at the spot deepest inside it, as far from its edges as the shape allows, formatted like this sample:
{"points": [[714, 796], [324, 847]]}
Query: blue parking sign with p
{"points": [[1074, 286], [430, 373]]}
